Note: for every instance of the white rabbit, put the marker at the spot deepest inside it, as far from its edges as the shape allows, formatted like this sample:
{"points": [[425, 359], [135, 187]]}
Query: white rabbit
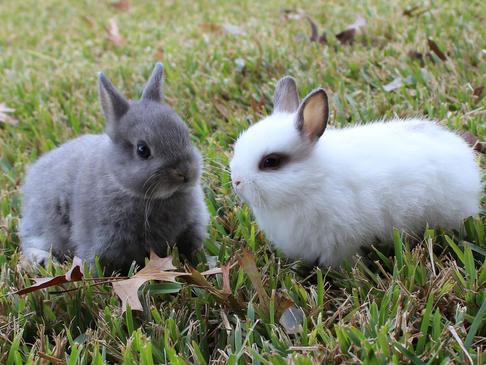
{"points": [[321, 199]]}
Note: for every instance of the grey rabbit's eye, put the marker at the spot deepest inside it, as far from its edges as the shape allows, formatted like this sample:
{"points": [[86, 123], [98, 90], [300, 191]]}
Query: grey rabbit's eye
{"points": [[143, 150]]}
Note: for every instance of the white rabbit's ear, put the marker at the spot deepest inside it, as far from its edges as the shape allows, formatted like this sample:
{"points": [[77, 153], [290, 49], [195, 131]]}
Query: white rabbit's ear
{"points": [[113, 103], [153, 88], [313, 114], [286, 98]]}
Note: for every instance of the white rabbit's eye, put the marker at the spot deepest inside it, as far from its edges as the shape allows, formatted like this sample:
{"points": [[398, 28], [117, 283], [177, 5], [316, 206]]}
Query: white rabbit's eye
{"points": [[143, 150], [272, 161]]}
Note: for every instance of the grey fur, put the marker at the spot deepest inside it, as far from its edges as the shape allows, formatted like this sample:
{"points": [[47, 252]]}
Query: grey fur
{"points": [[153, 89], [286, 97], [94, 196]]}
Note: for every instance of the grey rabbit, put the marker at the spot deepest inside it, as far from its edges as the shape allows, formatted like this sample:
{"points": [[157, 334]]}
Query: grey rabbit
{"points": [[119, 194]]}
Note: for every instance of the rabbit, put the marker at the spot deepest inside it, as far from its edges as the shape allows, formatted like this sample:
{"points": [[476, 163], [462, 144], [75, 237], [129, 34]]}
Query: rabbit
{"points": [[120, 194], [321, 194]]}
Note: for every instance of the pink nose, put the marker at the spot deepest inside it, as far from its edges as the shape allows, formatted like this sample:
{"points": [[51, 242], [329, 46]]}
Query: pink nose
{"points": [[237, 182]]}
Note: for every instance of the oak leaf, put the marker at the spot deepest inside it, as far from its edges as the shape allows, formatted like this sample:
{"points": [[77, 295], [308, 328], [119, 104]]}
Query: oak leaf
{"points": [[157, 268], [76, 273]]}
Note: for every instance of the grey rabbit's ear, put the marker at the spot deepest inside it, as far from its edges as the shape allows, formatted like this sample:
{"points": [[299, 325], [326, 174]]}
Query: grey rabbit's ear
{"points": [[113, 103], [153, 88], [286, 98], [313, 115]]}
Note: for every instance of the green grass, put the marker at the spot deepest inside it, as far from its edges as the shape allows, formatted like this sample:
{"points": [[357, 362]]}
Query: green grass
{"points": [[421, 304]]}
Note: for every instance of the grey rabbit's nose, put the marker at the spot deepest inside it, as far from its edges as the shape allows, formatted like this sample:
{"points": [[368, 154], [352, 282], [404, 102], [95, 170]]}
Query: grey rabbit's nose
{"points": [[179, 175]]}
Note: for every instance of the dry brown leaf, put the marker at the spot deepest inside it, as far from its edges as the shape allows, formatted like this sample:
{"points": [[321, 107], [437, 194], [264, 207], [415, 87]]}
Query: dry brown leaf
{"points": [[314, 37], [347, 35], [211, 27], [4, 117], [473, 141], [226, 278], [435, 48], [248, 264], [156, 269], [76, 273], [122, 5], [314, 32], [225, 271], [478, 91], [113, 33]]}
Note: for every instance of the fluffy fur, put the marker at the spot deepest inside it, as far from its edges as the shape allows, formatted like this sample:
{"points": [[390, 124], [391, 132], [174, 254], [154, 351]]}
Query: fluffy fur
{"points": [[96, 196], [352, 186]]}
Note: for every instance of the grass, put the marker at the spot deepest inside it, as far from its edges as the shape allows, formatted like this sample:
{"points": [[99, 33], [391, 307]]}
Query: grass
{"points": [[420, 304]]}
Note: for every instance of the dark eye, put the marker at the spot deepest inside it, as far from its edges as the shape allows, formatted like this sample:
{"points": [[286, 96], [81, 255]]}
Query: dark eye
{"points": [[143, 150], [272, 161]]}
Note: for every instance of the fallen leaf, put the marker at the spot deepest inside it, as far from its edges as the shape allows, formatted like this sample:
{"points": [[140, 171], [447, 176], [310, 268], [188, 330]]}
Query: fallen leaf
{"points": [[314, 37], [76, 273], [282, 303], [113, 33], [122, 5], [473, 141], [197, 278], [225, 271], [226, 278], [157, 268], [4, 117], [435, 48], [478, 91], [248, 264], [215, 28], [347, 35]]}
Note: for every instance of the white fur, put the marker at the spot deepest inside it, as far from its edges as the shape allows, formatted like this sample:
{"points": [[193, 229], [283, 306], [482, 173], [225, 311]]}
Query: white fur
{"points": [[355, 184]]}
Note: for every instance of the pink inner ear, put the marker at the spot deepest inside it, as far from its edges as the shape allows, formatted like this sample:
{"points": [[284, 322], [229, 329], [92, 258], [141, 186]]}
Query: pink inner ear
{"points": [[312, 119]]}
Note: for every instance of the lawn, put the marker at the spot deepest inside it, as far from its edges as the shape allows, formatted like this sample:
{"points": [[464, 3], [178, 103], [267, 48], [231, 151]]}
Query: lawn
{"points": [[420, 303]]}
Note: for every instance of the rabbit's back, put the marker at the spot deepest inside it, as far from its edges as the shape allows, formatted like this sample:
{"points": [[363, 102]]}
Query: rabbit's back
{"points": [[49, 189]]}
